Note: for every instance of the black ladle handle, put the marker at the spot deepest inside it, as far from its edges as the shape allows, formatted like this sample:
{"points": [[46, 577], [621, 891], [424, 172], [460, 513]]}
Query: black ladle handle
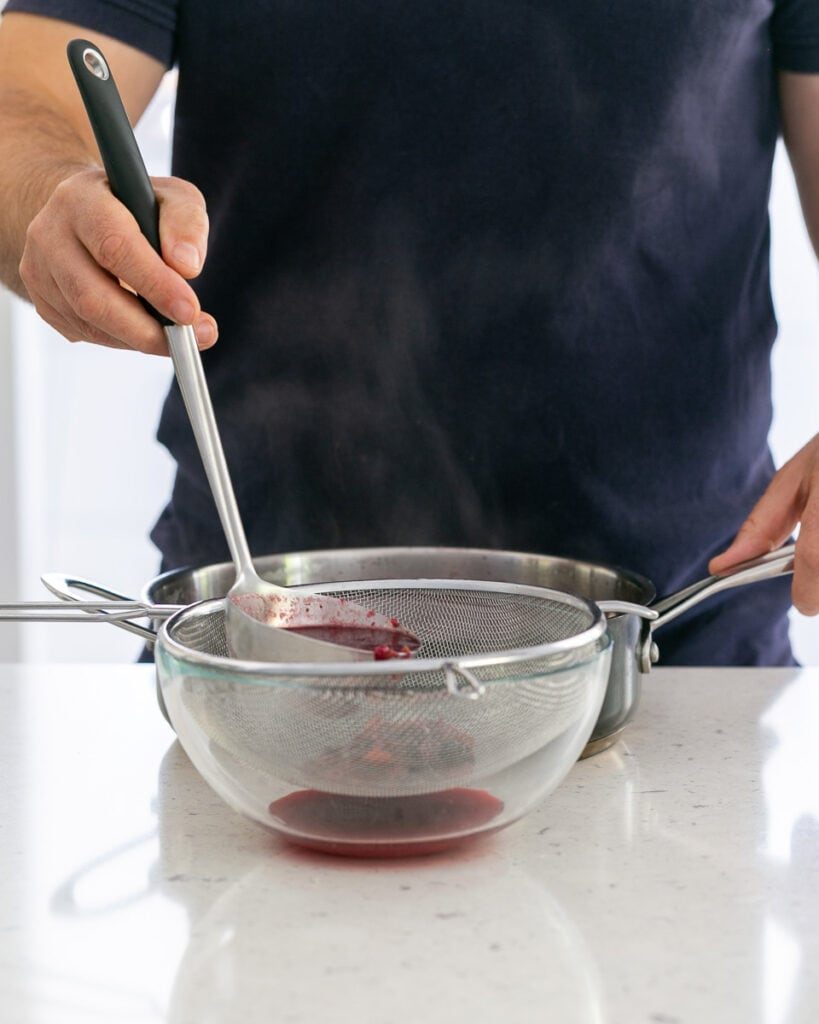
{"points": [[118, 148]]}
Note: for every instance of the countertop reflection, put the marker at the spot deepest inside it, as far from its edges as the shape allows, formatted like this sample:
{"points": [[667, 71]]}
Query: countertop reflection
{"points": [[670, 879]]}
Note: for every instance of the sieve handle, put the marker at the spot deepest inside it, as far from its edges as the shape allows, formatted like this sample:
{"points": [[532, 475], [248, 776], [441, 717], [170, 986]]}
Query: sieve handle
{"points": [[78, 611], [61, 586], [455, 674]]}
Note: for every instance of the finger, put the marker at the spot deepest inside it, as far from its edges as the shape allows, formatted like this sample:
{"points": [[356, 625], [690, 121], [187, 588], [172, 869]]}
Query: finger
{"points": [[806, 565], [52, 308], [54, 318], [105, 330], [74, 331], [206, 330], [770, 522], [183, 225], [115, 243], [96, 300], [99, 302]]}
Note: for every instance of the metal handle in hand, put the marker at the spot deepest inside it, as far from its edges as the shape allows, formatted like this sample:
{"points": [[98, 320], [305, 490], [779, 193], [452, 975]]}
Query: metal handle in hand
{"points": [[130, 183], [776, 563], [767, 567]]}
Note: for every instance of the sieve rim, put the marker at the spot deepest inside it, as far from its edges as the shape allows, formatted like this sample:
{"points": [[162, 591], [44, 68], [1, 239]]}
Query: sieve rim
{"points": [[317, 672]]}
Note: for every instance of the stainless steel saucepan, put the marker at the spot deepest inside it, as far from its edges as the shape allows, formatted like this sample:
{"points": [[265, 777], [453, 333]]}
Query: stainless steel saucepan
{"points": [[627, 597]]}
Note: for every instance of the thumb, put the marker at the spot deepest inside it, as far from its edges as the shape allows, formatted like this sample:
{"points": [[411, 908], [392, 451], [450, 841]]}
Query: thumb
{"points": [[183, 225], [769, 523]]}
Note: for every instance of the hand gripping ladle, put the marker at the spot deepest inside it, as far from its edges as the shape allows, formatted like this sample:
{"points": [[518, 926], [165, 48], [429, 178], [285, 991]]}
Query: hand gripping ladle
{"points": [[259, 615]]}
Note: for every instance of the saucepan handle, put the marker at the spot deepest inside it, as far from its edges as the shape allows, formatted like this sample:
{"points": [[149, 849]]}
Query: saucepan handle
{"points": [[63, 586], [767, 567], [775, 563]]}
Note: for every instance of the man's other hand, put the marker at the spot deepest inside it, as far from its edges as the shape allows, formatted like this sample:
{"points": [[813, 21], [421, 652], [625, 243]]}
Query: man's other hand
{"points": [[792, 497]]}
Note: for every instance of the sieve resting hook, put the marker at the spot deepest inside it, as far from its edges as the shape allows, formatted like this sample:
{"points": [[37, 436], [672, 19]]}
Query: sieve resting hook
{"points": [[455, 674]]}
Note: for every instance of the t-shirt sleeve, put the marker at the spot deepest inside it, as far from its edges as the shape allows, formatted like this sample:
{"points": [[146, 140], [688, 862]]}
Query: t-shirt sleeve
{"points": [[795, 35], [148, 25]]}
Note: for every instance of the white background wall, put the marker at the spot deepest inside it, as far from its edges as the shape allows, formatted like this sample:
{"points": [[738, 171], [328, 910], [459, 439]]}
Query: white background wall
{"points": [[90, 479]]}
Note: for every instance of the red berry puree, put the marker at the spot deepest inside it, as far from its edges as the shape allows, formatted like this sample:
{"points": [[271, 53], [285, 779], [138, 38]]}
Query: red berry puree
{"points": [[370, 826], [384, 643]]}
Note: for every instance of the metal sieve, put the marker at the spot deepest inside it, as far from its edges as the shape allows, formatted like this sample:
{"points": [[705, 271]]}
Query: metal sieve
{"points": [[502, 671], [388, 758]]}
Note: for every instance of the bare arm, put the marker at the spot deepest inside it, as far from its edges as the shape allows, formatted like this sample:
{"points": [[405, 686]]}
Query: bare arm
{"points": [[799, 98], [793, 495], [65, 242]]}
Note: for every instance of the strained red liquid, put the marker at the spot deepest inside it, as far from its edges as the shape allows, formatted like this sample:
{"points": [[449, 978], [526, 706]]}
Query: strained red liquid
{"points": [[365, 826]]}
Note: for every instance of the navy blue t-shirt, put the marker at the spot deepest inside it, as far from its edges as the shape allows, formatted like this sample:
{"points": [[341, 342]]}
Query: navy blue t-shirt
{"points": [[489, 273]]}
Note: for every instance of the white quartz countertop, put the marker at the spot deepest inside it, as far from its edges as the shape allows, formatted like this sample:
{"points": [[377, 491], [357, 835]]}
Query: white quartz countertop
{"points": [[671, 880]]}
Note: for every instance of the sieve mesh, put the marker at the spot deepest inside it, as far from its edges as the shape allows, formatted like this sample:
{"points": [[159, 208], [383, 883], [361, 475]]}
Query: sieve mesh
{"points": [[401, 732]]}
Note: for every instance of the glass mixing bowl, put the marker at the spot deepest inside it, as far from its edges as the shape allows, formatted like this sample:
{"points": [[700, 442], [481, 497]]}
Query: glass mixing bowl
{"points": [[390, 758]]}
